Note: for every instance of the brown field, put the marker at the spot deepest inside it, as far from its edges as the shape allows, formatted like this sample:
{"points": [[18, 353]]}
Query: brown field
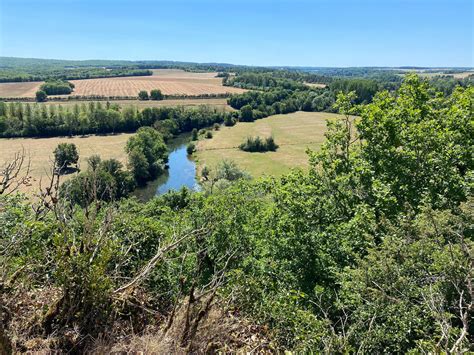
{"points": [[316, 85], [19, 89], [218, 103], [40, 151], [169, 81]]}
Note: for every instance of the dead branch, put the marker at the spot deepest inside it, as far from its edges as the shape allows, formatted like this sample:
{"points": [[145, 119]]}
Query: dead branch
{"points": [[15, 173]]}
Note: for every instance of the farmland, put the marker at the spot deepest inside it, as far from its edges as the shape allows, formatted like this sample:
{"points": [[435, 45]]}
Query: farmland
{"points": [[294, 133], [169, 81], [40, 152], [27, 89]]}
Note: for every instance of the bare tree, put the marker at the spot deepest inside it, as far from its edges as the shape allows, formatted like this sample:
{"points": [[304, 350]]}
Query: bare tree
{"points": [[15, 173]]}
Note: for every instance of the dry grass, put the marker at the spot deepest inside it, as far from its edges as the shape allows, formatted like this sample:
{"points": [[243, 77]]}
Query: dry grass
{"points": [[169, 81], [41, 150], [294, 133], [316, 85], [19, 89]]}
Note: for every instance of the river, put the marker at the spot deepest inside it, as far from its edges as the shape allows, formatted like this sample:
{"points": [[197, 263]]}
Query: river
{"points": [[181, 172]]}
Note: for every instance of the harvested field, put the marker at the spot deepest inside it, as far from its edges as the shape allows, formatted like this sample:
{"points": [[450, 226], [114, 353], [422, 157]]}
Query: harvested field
{"points": [[316, 85], [294, 133], [169, 81], [27, 89], [41, 150]]}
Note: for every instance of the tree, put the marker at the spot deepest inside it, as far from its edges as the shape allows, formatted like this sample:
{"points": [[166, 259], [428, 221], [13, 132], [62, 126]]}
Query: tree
{"points": [[143, 95], [194, 134], [246, 114], [191, 148], [65, 155], [41, 96], [156, 94], [147, 154]]}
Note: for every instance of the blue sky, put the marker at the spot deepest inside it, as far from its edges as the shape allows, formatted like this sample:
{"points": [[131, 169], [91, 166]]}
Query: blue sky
{"points": [[254, 32]]}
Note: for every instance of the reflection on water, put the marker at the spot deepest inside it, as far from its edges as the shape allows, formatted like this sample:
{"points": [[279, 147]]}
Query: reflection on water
{"points": [[181, 172]]}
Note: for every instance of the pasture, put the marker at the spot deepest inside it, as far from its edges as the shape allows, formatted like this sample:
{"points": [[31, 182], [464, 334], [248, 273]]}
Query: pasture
{"points": [[169, 81], [40, 152], [294, 133]]}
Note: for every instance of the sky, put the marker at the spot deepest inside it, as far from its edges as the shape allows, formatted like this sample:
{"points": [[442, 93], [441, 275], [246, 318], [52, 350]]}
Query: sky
{"points": [[331, 33]]}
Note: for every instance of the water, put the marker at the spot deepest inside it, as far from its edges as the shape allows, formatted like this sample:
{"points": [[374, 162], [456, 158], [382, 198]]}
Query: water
{"points": [[181, 172]]}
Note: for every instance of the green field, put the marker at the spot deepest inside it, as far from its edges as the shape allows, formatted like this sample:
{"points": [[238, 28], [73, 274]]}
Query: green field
{"points": [[294, 133]]}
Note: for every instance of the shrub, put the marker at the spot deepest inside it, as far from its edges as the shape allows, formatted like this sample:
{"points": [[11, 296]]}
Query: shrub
{"points": [[41, 96], [143, 95], [194, 134], [156, 95], [191, 148], [257, 144], [216, 126], [229, 121], [208, 135]]}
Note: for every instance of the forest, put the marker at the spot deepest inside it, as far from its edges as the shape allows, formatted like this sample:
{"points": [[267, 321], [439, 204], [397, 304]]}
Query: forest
{"points": [[368, 250]]}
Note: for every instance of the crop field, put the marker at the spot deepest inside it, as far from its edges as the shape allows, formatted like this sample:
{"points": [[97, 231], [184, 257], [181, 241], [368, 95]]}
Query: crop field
{"points": [[27, 89], [294, 133], [40, 152], [169, 81]]}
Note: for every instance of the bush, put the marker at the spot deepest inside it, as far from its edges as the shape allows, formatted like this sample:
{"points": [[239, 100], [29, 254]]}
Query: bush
{"points": [[194, 134], [143, 95], [208, 135], [191, 148], [156, 95], [65, 154], [41, 96], [216, 126], [258, 144], [229, 121]]}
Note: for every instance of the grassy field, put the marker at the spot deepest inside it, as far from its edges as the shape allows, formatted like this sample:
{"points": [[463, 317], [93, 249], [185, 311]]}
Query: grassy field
{"points": [[219, 103], [294, 133], [169, 81], [40, 151]]}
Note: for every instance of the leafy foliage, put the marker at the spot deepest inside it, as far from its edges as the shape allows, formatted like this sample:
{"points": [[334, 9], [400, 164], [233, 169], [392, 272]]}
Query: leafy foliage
{"points": [[369, 250]]}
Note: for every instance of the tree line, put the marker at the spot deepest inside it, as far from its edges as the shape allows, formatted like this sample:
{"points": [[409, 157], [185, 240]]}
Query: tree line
{"points": [[34, 120]]}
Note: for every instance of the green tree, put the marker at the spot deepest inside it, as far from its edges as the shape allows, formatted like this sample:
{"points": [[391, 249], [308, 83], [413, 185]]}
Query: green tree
{"points": [[41, 96], [65, 155], [246, 114], [147, 154], [143, 95], [156, 94]]}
